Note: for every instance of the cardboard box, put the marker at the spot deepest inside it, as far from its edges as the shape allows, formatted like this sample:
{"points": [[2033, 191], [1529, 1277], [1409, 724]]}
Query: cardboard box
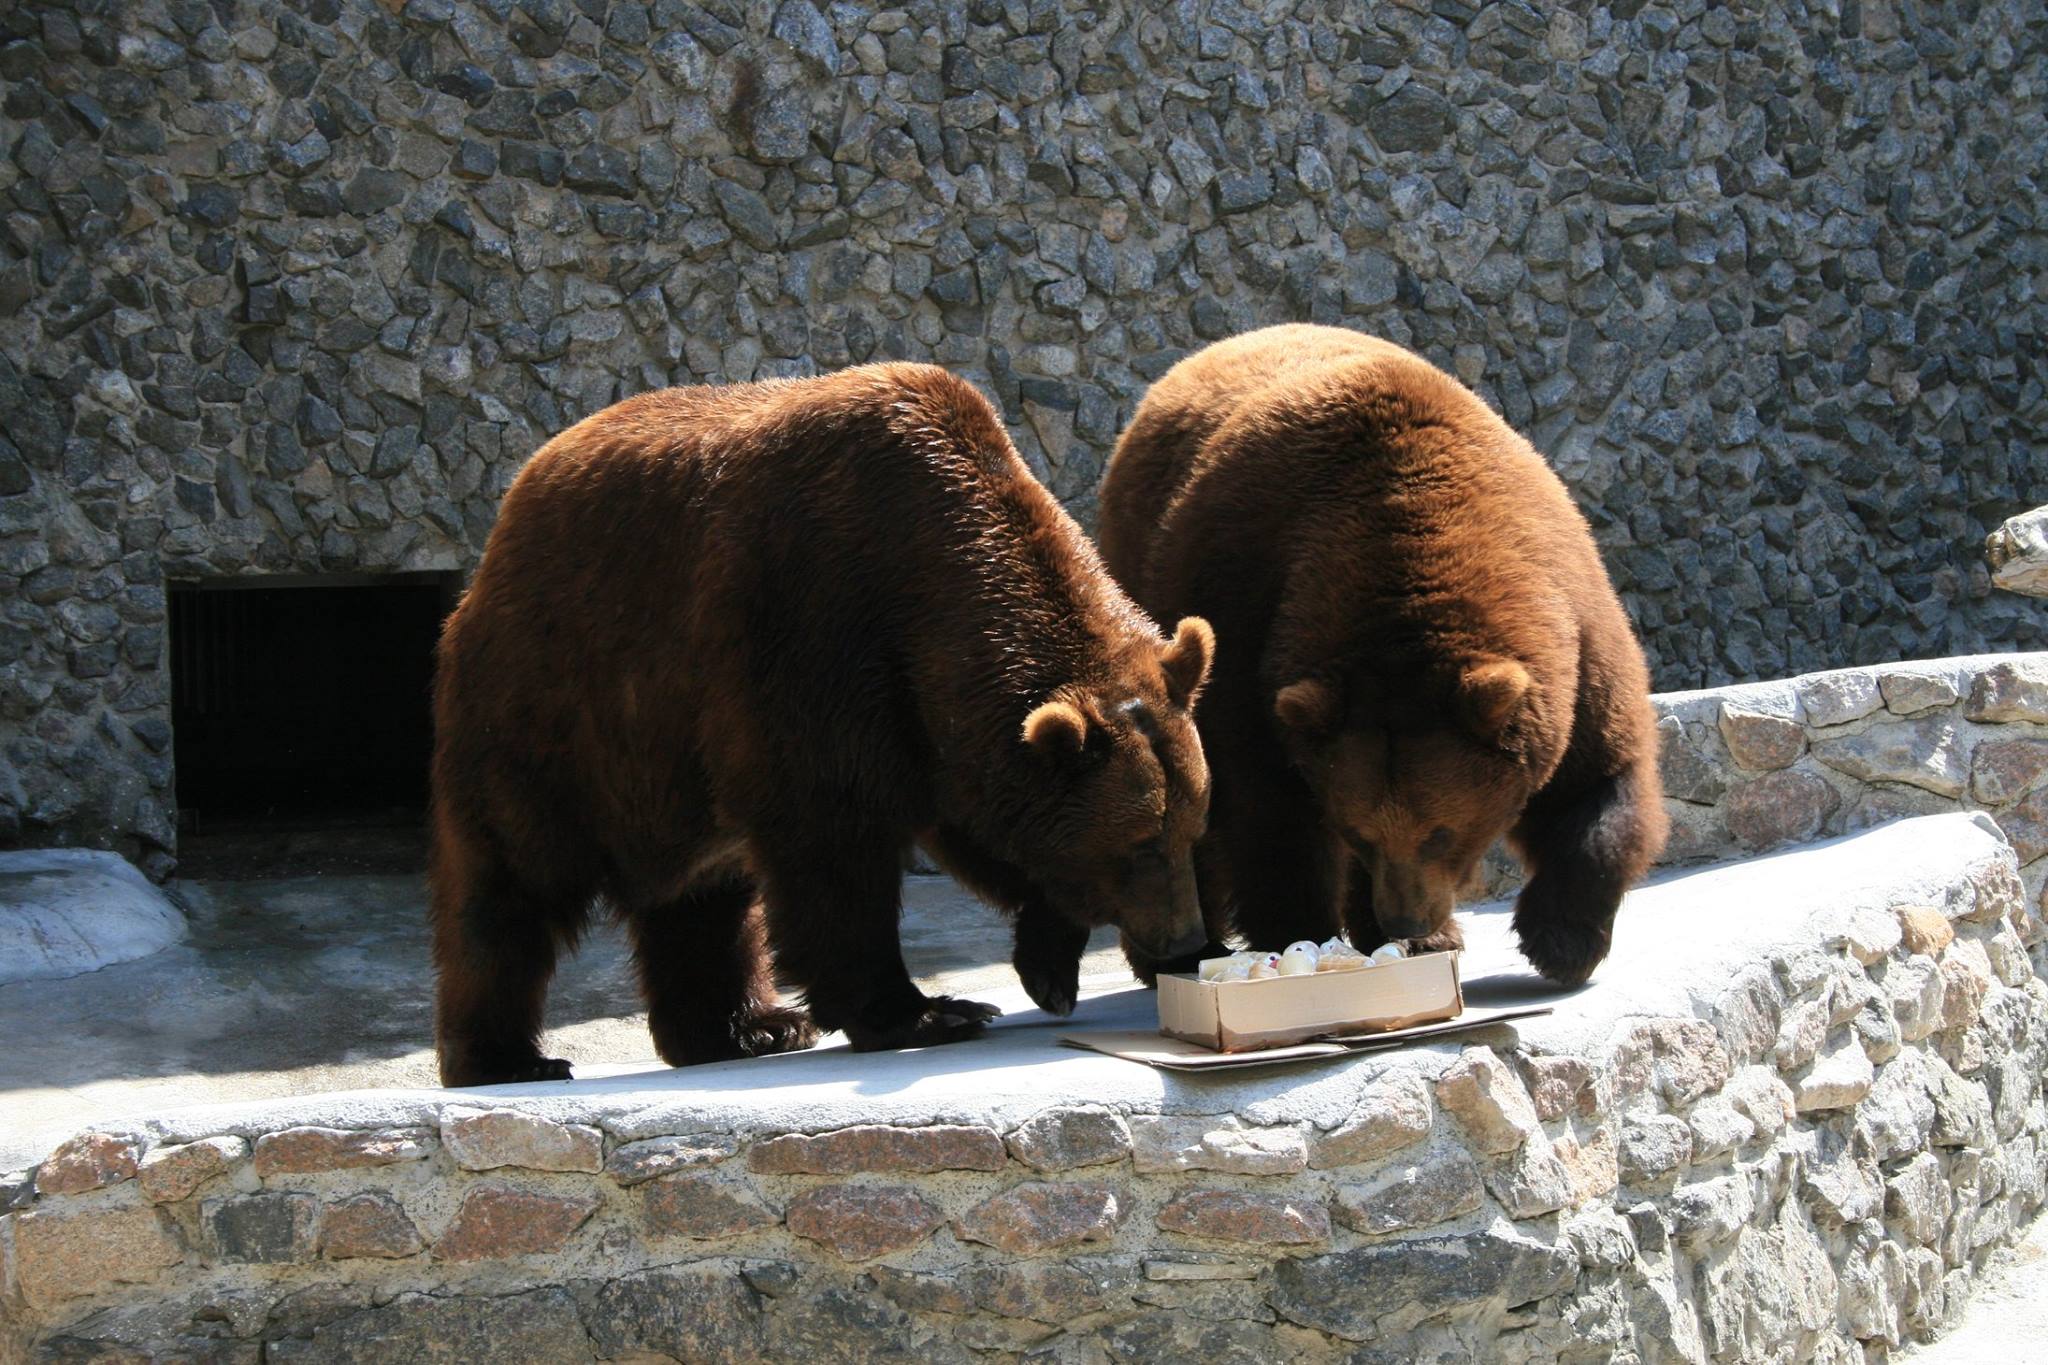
{"points": [[1244, 1016]]}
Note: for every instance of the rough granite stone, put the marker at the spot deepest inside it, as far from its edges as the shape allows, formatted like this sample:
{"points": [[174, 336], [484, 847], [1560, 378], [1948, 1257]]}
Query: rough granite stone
{"points": [[1830, 699], [2017, 553], [1035, 1218], [1759, 741], [861, 1222], [414, 1327], [171, 1173], [310, 1151], [497, 1221], [632, 1163], [87, 1162], [875, 1147], [2012, 689], [1200, 1144], [59, 1256], [1390, 1115], [2025, 824], [1925, 753], [1233, 1216], [1781, 807], [1924, 929], [1069, 1139], [1488, 1100], [273, 1227], [1653, 1146], [704, 1312], [2002, 770], [1561, 1085], [1345, 1293], [370, 1225], [1917, 1199], [1442, 1185], [1531, 1180], [1047, 1292], [1907, 694], [1838, 1078], [702, 1207], [507, 1137]]}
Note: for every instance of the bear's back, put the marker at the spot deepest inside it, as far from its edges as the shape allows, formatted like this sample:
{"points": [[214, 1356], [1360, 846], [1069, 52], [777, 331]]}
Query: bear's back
{"points": [[1320, 474]]}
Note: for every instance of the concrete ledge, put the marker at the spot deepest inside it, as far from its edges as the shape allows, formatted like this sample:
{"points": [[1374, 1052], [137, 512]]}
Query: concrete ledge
{"points": [[1795, 1112], [67, 911]]}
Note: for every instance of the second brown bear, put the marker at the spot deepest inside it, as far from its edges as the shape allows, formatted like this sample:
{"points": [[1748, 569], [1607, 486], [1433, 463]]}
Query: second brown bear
{"points": [[1418, 649]]}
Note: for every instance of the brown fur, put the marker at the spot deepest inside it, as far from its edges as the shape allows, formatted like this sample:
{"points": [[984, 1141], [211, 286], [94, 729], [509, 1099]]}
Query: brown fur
{"points": [[730, 651], [1418, 647]]}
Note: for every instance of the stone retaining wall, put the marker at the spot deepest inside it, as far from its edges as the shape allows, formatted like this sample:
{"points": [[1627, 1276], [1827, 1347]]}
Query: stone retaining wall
{"points": [[1758, 766], [293, 286], [1806, 1162]]}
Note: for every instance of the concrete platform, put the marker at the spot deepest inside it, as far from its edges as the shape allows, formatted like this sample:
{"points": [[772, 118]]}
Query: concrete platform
{"points": [[1794, 1117], [296, 986], [1679, 943]]}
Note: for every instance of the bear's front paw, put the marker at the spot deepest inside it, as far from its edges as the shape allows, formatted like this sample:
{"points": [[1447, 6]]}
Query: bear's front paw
{"points": [[1444, 940], [1053, 989], [769, 1031], [1149, 969], [1566, 951], [944, 1020]]}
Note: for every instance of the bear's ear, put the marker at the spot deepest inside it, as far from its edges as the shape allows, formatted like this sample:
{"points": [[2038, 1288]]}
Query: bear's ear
{"points": [[1186, 661], [1057, 728], [1308, 708], [1492, 694]]}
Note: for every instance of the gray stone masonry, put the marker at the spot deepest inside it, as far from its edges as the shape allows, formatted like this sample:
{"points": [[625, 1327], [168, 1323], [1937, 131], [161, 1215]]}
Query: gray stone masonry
{"points": [[1793, 1127], [1759, 766], [293, 286]]}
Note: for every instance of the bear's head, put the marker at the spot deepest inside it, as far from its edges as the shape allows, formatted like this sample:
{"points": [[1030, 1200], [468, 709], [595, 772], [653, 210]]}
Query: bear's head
{"points": [[1127, 796], [1417, 775]]}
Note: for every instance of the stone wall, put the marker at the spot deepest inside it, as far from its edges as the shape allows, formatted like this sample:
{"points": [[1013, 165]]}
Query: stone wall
{"points": [[294, 288], [1757, 766], [1802, 1150]]}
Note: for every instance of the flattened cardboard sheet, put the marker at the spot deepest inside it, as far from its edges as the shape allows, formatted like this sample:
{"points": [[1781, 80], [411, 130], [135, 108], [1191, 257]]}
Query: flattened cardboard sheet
{"points": [[1172, 1054]]}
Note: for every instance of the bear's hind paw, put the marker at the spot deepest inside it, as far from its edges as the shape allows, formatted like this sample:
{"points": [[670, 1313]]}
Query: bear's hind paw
{"points": [[944, 1020], [507, 1073]]}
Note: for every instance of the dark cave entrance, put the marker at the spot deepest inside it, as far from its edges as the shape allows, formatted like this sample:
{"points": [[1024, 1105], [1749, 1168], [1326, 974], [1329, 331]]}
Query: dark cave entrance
{"points": [[304, 703]]}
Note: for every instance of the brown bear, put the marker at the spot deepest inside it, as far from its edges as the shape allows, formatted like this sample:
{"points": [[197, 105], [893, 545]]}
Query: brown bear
{"points": [[1418, 649], [730, 652]]}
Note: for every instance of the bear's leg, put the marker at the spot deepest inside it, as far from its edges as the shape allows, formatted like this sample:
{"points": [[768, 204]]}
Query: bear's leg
{"points": [[703, 963], [1583, 852], [494, 953], [1279, 876], [1362, 926], [832, 917], [1047, 956]]}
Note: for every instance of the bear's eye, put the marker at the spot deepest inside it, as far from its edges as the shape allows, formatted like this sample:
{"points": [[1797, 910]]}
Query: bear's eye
{"points": [[1437, 845]]}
